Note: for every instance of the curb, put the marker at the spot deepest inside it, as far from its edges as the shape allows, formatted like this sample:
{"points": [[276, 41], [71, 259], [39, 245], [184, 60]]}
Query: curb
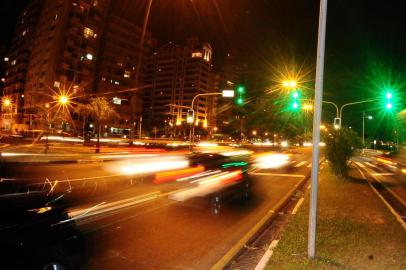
{"points": [[226, 259]]}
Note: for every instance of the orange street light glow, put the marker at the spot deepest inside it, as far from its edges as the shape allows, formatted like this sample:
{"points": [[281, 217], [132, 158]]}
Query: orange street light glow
{"points": [[63, 99]]}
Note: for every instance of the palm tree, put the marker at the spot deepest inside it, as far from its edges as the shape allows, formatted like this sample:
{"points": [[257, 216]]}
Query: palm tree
{"points": [[101, 111]]}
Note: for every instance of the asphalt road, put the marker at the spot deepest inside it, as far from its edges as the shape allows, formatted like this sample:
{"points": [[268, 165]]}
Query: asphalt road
{"points": [[135, 226]]}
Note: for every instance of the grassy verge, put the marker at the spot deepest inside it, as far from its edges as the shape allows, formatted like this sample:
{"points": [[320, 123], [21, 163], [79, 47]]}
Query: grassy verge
{"points": [[354, 231]]}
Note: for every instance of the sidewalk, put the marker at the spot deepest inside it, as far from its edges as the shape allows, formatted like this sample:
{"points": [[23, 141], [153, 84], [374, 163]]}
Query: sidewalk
{"points": [[355, 230]]}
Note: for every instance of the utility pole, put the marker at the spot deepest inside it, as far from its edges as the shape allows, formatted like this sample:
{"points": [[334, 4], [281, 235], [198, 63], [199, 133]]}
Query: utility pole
{"points": [[316, 128], [133, 98]]}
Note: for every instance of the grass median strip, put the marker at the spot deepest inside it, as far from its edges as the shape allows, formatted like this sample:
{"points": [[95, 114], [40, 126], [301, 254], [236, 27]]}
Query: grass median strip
{"points": [[354, 231]]}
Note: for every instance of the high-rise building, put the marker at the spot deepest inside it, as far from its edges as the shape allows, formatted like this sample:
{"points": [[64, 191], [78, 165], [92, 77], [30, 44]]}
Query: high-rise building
{"points": [[64, 50], [76, 47], [116, 67], [175, 75], [17, 60], [232, 74]]}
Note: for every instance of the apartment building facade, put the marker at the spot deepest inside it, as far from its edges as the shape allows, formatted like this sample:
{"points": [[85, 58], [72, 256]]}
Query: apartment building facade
{"points": [[175, 75]]}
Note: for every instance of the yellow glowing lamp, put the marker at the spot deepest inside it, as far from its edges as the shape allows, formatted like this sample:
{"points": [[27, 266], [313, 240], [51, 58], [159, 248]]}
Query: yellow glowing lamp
{"points": [[63, 99]]}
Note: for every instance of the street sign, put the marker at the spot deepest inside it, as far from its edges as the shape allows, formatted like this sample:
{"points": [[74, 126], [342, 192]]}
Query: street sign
{"points": [[228, 93]]}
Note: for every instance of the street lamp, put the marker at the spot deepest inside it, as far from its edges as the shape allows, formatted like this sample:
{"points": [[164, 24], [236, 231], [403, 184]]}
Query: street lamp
{"points": [[63, 100], [7, 102], [289, 83]]}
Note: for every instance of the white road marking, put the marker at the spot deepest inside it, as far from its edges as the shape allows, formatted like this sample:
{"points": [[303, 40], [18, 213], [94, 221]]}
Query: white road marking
{"points": [[382, 174], [267, 256], [297, 206], [300, 164], [278, 174], [371, 165], [359, 164]]}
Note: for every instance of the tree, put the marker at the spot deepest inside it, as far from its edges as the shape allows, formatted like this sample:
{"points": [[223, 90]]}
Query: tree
{"points": [[101, 111], [340, 147]]}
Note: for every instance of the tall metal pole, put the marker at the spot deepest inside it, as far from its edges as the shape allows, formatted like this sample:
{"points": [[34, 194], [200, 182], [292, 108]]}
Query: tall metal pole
{"points": [[363, 131], [138, 70], [316, 128]]}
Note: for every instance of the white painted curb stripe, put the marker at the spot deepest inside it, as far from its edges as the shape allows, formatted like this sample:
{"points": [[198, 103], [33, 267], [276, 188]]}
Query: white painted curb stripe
{"points": [[300, 164], [297, 206], [267, 256]]}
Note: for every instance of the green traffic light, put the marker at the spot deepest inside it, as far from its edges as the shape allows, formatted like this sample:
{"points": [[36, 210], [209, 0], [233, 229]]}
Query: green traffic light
{"points": [[388, 95], [241, 89], [295, 105], [240, 101], [389, 106]]}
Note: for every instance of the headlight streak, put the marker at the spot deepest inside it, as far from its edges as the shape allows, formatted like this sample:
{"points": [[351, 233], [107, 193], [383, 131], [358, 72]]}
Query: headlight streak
{"points": [[271, 160], [208, 185]]}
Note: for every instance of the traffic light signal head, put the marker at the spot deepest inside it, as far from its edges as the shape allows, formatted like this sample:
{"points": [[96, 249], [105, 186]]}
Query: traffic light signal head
{"points": [[295, 105], [240, 101], [241, 89], [295, 95], [388, 105]]}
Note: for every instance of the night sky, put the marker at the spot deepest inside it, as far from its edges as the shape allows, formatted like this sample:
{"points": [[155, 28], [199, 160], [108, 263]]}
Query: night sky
{"points": [[365, 47]]}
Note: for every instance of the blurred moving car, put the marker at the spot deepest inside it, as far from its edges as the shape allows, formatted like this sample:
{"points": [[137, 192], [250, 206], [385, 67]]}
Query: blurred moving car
{"points": [[223, 178], [35, 230]]}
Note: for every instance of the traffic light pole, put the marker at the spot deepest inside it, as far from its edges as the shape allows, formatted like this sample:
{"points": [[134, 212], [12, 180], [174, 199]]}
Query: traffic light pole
{"points": [[352, 103], [192, 130], [316, 128]]}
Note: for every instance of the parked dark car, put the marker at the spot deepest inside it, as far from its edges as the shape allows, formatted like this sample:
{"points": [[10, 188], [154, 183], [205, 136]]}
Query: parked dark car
{"points": [[35, 229]]}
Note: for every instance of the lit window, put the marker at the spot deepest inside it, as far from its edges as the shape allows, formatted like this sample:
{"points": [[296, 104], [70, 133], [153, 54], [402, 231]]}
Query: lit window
{"points": [[117, 83], [117, 100], [127, 74], [87, 32], [57, 84], [24, 32], [197, 54], [14, 62], [89, 56], [95, 3], [56, 17], [103, 78], [6, 59], [119, 64]]}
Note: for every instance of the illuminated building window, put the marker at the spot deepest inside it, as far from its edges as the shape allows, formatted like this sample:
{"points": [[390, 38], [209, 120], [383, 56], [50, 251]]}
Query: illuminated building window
{"points": [[197, 54], [88, 33], [117, 83], [117, 100], [89, 56], [6, 59], [103, 78], [57, 84], [127, 74], [24, 32], [14, 62], [95, 3], [119, 64]]}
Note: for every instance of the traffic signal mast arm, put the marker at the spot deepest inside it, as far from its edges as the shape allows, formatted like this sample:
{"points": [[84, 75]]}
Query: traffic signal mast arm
{"points": [[339, 112]]}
